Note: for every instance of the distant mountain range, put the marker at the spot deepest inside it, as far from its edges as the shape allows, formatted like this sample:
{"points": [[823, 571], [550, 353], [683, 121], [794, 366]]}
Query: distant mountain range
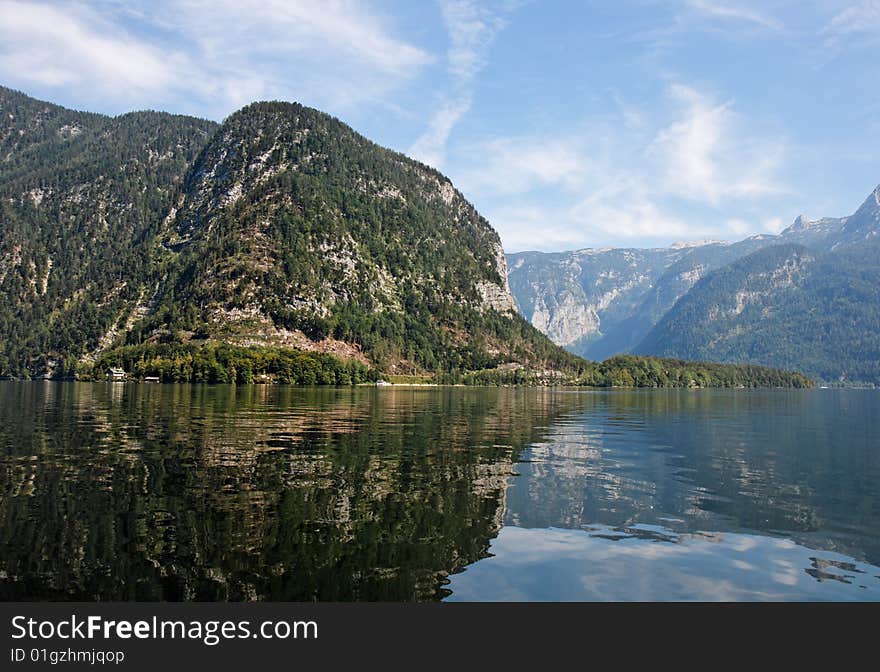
{"points": [[808, 298]]}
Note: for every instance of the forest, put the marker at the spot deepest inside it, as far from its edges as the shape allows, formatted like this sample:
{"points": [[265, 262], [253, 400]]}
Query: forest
{"points": [[224, 363]]}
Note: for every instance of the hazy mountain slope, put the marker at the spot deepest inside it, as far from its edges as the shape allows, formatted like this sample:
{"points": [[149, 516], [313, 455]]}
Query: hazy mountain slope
{"points": [[783, 306], [675, 282], [571, 296], [598, 303]]}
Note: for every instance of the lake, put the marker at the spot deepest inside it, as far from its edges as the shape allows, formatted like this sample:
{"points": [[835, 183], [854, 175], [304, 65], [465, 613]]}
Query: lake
{"points": [[112, 491]]}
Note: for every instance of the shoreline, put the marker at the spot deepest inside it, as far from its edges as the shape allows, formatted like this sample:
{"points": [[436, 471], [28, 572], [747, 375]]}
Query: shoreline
{"points": [[436, 385]]}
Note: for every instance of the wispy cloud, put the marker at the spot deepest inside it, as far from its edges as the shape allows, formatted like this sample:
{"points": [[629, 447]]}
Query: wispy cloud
{"points": [[631, 115], [523, 164], [860, 19], [728, 11], [202, 55], [276, 29], [58, 45], [472, 29], [702, 157]]}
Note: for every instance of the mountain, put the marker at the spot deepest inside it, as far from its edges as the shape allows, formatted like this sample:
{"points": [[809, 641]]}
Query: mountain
{"points": [[601, 302], [785, 306], [278, 246], [830, 233], [687, 302], [569, 296], [282, 227], [293, 230]]}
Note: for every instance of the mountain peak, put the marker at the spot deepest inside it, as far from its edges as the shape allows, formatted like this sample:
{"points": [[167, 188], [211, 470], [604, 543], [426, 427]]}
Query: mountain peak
{"points": [[815, 230], [800, 223], [870, 205], [865, 223], [804, 223]]}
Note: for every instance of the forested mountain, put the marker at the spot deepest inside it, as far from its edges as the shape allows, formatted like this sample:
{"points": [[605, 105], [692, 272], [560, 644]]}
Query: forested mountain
{"points": [[280, 228], [291, 228], [81, 196], [812, 304], [278, 246], [784, 306]]}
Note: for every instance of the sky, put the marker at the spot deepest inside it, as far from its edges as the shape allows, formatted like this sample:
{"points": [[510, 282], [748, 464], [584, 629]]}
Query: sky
{"points": [[568, 124]]}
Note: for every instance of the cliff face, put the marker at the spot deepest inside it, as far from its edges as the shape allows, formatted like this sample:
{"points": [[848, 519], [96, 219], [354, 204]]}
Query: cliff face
{"points": [[582, 299]]}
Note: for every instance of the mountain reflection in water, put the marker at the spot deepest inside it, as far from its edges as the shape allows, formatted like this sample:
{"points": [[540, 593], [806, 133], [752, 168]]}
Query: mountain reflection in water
{"points": [[163, 492]]}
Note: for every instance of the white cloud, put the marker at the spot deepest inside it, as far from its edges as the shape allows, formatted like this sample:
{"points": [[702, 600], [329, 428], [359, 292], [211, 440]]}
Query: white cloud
{"points": [[862, 17], [773, 224], [702, 172], [518, 165], [634, 215], [472, 29], [685, 149], [731, 12], [739, 226], [58, 45], [591, 222], [702, 156], [329, 53], [239, 29]]}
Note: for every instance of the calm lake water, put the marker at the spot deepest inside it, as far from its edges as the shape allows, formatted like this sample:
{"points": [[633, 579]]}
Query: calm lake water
{"points": [[164, 492]]}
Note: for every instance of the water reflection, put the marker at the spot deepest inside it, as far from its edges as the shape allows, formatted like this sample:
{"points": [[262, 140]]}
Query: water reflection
{"points": [[162, 492], [800, 464], [645, 563], [694, 495], [215, 493]]}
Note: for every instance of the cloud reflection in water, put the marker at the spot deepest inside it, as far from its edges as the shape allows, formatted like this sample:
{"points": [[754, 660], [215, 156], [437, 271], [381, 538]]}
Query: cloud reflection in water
{"points": [[649, 563]]}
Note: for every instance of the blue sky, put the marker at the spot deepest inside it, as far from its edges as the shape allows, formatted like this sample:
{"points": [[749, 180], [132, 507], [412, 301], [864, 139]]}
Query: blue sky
{"points": [[568, 124]]}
